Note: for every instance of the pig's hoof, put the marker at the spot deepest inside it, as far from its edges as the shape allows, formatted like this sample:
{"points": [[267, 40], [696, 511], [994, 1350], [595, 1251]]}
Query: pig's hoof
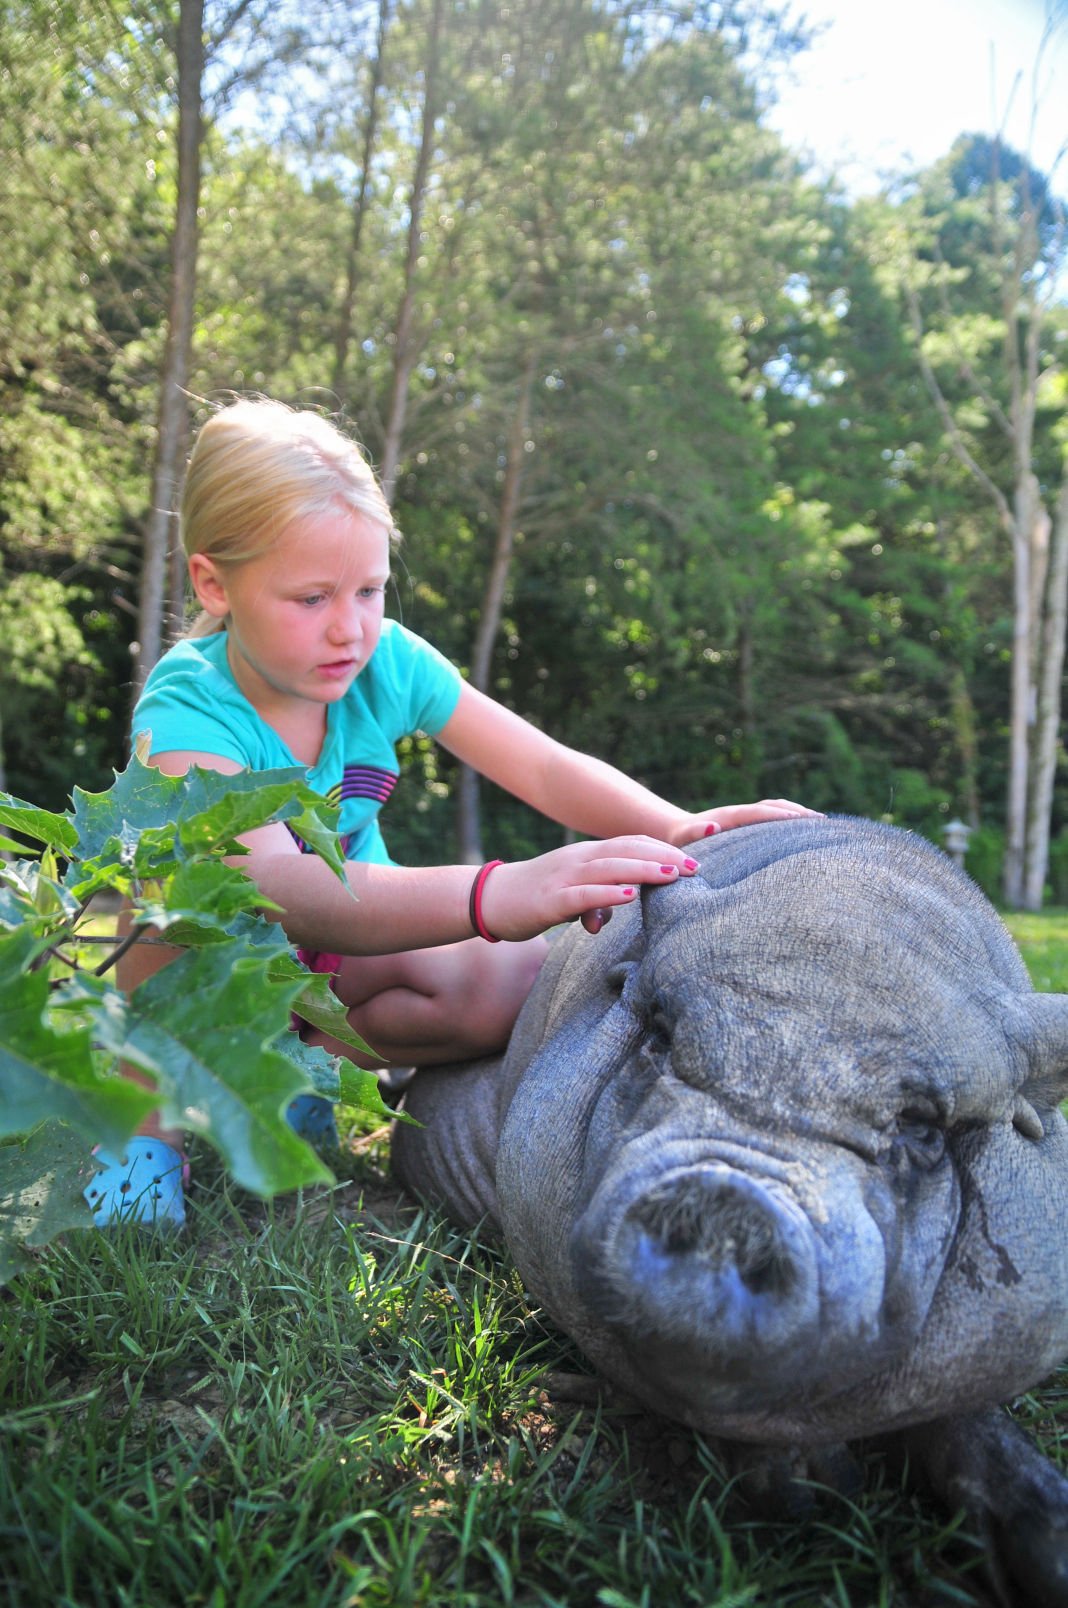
{"points": [[791, 1483]]}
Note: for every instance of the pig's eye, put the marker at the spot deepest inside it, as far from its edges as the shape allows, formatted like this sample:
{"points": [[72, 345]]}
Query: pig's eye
{"points": [[920, 1136], [656, 1027]]}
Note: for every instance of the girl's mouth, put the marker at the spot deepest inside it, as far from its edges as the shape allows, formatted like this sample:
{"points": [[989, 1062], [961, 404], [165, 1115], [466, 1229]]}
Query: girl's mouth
{"points": [[337, 669]]}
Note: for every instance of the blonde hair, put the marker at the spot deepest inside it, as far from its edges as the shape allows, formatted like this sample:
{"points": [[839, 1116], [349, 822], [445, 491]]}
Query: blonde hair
{"points": [[256, 467]]}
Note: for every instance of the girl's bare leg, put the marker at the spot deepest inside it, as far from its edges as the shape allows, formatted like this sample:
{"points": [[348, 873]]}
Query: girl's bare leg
{"points": [[428, 1006], [139, 963]]}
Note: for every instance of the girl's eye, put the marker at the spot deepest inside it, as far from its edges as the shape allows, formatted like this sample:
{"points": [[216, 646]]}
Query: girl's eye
{"points": [[371, 591], [310, 601]]}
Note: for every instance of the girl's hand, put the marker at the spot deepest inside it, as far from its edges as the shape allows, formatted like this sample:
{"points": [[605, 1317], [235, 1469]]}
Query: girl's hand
{"points": [[692, 827], [526, 897]]}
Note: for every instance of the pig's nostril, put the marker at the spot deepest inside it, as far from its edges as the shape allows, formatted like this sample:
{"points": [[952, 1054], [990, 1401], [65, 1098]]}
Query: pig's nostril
{"points": [[768, 1273], [718, 1225]]}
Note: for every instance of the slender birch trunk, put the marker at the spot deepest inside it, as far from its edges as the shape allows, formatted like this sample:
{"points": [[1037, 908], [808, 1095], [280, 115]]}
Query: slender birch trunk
{"points": [[173, 418], [1021, 706], [1048, 714], [343, 336], [405, 347], [468, 826], [1038, 571]]}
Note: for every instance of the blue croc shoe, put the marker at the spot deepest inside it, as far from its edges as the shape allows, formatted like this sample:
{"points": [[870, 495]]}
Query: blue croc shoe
{"points": [[143, 1185], [312, 1118]]}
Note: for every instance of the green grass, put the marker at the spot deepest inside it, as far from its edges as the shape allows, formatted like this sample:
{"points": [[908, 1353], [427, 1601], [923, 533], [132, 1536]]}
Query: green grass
{"points": [[337, 1400], [1043, 942], [318, 1404]]}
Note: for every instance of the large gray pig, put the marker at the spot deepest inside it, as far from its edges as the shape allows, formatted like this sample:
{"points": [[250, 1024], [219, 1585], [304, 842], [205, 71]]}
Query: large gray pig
{"points": [[782, 1151]]}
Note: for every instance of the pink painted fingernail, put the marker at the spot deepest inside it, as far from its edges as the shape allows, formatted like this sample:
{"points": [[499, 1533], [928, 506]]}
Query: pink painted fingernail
{"points": [[668, 870], [691, 865], [628, 893], [713, 826]]}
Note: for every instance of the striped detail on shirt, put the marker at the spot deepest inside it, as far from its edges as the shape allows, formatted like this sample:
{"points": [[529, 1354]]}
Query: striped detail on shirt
{"points": [[363, 781], [357, 781]]}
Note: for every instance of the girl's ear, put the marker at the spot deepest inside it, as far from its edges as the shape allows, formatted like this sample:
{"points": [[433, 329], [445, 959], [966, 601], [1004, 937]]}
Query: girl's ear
{"points": [[209, 585]]}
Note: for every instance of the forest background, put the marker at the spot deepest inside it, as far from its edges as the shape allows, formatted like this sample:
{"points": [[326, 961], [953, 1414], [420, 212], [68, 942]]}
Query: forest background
{"points": [[747, 486]]}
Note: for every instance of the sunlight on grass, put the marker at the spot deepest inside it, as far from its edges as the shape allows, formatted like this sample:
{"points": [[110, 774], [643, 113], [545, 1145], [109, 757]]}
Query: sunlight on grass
{"points": [[336, 1399], [1043, 942]]}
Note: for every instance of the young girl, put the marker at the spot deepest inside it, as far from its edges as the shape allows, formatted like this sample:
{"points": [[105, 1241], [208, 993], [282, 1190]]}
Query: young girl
{"points": [[288, 540]]}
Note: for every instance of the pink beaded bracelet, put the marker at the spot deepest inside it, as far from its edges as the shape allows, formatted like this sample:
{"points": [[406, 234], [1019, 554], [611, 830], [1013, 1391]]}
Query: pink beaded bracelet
{"points": [[475, 905]]}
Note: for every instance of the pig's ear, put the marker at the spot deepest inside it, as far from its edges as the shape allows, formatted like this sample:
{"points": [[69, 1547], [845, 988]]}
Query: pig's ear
{"points": [[626, 958], [620, 974], [1047, 1021]]}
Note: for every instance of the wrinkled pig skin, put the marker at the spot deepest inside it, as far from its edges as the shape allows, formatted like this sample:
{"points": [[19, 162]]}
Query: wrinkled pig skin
{"points": [[781, 1149]]}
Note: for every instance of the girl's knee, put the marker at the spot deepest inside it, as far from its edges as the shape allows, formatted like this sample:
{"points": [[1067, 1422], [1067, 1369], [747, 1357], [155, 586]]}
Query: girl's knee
{"points": [[428, 1006], [497, 986], [507, 973]]}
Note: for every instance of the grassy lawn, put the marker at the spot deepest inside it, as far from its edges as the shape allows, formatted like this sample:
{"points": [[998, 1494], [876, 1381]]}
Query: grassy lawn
{"points": [[1043, 942], [336, 1400]]}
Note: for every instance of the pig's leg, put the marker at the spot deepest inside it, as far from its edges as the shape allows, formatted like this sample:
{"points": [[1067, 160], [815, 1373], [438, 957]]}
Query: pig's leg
{"points": [[451, 1158], [785, 1482], [1013, 1496]]}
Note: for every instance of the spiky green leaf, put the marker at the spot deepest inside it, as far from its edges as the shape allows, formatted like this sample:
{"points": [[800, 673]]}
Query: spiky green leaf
{"points": [[45, 1073], [140, 795], [200, 903], [149, 823], [41, 1183], [205, 1026], [40, 826], [317, 1003]]}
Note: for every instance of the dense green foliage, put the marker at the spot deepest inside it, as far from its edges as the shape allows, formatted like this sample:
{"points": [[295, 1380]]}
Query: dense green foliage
{"points": [[745, 561], [224, 1068]]}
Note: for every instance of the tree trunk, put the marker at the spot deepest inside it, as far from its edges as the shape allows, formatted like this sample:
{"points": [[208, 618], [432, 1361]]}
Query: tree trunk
{"points": [[405, 348], [965, 733], [343, 337], [1021, 714], [468, 824], [173, 417], [1048, 714], [751, 760], [1019, 309], [1035, 633], [177, 577], [1038, 623], [962, 712]]}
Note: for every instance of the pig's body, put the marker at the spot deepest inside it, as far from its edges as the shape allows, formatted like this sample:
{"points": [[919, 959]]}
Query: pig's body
{"points": [[782, 1150]]}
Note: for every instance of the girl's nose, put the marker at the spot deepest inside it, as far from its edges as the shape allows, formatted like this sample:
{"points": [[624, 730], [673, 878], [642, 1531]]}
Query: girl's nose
{"points": [[344, 623]]}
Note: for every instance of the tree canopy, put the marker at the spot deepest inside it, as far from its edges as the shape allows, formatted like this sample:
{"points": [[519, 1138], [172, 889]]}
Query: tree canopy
{"points": [[688, 450]]}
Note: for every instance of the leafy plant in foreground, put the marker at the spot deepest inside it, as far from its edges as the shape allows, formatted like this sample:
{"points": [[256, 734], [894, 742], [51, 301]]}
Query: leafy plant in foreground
{"points": [[211, 1030]]}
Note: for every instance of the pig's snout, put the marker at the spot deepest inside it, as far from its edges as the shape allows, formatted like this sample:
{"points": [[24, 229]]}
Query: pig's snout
{"points": [[719, 1227], [709, 1258]]}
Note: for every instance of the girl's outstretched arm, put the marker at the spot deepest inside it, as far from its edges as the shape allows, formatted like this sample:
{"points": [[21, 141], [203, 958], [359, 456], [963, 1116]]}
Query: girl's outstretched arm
{"points": [[398, 908], [417, 907], [574, 788]]}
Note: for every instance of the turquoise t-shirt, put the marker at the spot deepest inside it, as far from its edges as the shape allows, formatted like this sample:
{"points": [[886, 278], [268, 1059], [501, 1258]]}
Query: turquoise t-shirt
{"points": [[191, 701]]}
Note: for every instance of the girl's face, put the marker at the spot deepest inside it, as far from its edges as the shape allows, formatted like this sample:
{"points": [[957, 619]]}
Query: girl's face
{"points": [[305, 617]]}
